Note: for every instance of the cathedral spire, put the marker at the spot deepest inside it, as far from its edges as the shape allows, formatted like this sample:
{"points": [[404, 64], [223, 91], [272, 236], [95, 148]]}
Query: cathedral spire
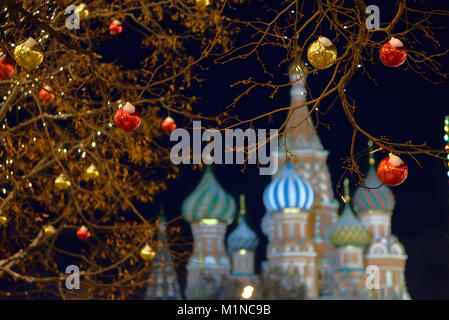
{"points": [[300, 129], [242, 211], [347, 196]]}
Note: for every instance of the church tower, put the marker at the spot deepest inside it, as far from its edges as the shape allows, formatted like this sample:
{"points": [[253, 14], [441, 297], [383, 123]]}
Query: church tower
{"points": [[309, 159], [242, 244], [209, 209], [288, 199], [163, 284], [350, 238], [374, 204]]}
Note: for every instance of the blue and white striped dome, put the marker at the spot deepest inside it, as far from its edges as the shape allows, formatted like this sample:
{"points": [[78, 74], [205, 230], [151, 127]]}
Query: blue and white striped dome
{"points": [[376, 196], [242, 238], [209, 201], [288, 190]]}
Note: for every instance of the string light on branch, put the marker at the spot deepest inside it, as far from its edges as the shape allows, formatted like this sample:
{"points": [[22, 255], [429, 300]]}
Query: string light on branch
{"points": [[322, 53], [6, 67], [147, 253], [29, 54], [45, 94], [168, 125], [393, 53], [392, 171], [127, 117], [83, 233], [115, 27]]}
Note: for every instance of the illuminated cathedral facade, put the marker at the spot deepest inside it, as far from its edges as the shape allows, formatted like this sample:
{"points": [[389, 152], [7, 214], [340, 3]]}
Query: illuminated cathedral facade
{"points": [[313, 252]]}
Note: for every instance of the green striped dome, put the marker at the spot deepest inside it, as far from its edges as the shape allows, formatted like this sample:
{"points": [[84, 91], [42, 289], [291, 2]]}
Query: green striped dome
{"points": [[349, 231], [209, 201]]}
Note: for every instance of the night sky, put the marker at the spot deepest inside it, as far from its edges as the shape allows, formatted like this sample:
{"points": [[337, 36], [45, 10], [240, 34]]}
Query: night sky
{"points": [[401, 106]]}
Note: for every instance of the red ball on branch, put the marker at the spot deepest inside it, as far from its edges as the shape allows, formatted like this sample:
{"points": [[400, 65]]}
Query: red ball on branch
{"points": [[127, 117], [168, 125], [393, 53], [115, 27], [392, 171], [6, 67], [45, 95], [83, 233]]}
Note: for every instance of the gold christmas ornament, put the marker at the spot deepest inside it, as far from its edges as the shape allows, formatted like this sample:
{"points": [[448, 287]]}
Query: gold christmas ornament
{"points": [[3, 220], [202, 3], [322, 53], [91, 173], [147, 253], [29, 54], [62, 182], [49, 230], [82, 11]]}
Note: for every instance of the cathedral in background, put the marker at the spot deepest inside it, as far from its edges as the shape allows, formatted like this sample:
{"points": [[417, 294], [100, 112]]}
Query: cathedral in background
{"points": [[312, 253]]}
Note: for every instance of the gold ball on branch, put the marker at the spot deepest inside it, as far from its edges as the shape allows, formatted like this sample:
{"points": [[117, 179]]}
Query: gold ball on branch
{"points": [[91, 173], [147, 253], [202, 3], [322, 53], [82, 11], [29, 54], [62, 182], [49, 230], [3, 220]]}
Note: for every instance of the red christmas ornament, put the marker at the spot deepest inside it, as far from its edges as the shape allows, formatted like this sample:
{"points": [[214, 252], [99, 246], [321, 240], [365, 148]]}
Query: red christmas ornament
{"points": [[392, 171], [446, 148], [393, 53], [169, 125], [82, 233], [6, 67], [46, 95], [115, 27], [127, 117]]}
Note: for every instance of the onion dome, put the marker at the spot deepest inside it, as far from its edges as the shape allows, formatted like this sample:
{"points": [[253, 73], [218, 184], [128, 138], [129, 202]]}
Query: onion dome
{"points": [[209, 201], [242, 237], [288, 190], [348, 231], [374, 195]]}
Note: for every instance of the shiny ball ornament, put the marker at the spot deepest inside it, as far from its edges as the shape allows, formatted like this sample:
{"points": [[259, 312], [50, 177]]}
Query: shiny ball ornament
{"points": [[322, 53], [62, 182], [127, 117], [91, 173], [168, 125], [202, 3], [82, 11], [147, 253], [49, 230], [29, 54], [115, 27], [45, 94], [393, 53], [3, 220], [83, 233], [6, 67], [392, 171]]}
